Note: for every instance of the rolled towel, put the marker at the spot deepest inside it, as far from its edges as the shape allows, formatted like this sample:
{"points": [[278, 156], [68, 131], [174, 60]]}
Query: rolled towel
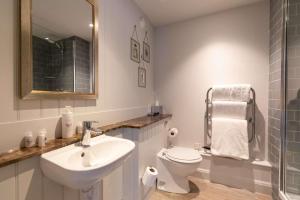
{"points": [[229, 109], [230, 138], [231, 92]]}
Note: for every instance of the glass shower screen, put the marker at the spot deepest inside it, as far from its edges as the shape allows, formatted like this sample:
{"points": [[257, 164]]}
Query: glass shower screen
{"points": [[291, 148]]}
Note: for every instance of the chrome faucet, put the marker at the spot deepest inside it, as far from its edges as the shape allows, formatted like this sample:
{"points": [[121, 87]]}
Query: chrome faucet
{"points": [[87, 126]]}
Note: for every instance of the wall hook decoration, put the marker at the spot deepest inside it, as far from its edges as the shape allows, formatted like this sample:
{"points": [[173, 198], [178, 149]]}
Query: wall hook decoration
{"points": [[142, 23], [135, 46]]}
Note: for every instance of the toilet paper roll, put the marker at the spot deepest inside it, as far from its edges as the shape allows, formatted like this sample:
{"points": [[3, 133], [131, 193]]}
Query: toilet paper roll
{"points": [[150, 176], [173, 132]]}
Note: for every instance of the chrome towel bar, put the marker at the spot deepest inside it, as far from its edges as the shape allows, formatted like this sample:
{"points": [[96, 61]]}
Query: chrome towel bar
{"points": [[251, 120]]}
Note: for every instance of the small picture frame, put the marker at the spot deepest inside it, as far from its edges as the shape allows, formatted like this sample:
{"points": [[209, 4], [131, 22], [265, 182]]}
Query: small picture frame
{"points": [[146, 52], [142, 77], [135, 50]]}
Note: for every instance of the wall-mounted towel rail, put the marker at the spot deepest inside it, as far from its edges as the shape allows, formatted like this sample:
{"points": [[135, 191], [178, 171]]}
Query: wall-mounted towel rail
{"points": [[251, 120]]}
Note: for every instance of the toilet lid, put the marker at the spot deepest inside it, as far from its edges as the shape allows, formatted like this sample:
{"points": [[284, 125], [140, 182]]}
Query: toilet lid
{"points": [[183, 155]]}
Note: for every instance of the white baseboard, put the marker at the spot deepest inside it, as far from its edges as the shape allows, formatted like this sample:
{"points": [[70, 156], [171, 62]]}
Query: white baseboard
{"points": [[258, 186]]}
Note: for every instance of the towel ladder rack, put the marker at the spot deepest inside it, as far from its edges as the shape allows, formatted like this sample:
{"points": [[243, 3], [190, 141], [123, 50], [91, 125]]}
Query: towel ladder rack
{"points": [[251, 120]]}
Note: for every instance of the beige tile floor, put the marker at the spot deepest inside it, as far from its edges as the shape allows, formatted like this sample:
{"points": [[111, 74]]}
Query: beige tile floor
{"points": [[204, 190]]}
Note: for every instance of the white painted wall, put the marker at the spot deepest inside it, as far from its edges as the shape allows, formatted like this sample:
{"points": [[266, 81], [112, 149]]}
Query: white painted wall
{"points": [[223, 48], [119, 98]]}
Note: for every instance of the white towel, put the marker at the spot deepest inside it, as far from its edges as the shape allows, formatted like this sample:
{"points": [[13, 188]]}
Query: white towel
{"points": [[229, 109], [230, 138], [231, 92]]}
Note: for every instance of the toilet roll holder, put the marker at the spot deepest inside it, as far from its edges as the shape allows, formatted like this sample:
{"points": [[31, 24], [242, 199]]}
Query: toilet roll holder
{"points": [[169, 140], [251, 120]]}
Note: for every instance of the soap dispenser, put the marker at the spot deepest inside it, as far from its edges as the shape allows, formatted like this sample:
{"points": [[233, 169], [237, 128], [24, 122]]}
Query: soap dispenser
{"points": [[67, 122]]}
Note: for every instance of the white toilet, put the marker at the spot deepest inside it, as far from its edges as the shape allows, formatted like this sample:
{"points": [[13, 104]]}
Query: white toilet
{"points": [[174, 165]]}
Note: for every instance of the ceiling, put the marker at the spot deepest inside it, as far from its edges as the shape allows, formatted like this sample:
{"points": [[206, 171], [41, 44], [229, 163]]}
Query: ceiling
{"points": [[163, 12], [57, 19]]}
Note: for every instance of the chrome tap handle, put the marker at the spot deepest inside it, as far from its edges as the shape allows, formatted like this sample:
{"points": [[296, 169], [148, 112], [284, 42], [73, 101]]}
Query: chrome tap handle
{"points": [[96, 131], [87, 125]]}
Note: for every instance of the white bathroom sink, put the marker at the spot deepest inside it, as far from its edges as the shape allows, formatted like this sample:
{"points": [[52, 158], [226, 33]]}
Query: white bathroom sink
{"points": [[80, 167]]}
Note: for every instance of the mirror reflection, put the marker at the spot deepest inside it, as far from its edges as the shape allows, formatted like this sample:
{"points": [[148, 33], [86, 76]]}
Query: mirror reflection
{"points": [[62, 45]]}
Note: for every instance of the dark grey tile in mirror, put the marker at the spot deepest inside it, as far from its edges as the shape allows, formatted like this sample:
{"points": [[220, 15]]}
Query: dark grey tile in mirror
{"points": [[57, 64]]}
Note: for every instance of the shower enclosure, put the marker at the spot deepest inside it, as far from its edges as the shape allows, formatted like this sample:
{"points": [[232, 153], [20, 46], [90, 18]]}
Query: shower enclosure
{"points": [[290, 126], [62, 65]]}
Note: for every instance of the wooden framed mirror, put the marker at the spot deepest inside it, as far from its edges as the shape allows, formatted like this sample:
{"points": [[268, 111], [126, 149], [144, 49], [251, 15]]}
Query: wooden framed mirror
{"points": [[59, 49]]}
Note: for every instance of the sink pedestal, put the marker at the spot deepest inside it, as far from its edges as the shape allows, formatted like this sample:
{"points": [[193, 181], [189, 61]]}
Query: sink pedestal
{"points": [[92, 193]]}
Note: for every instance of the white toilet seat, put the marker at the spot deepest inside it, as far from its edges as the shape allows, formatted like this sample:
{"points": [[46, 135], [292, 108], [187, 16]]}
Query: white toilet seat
{"points": [[174, 166], [183, 155]]}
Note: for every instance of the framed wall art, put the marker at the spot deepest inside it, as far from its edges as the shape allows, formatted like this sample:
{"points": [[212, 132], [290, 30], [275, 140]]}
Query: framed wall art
{"points": [[146, 49], [146, 52], [142, 77], [135, 50]]}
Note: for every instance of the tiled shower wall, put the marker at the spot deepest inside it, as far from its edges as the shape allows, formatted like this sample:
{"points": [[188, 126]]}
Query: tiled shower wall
{"points": [[274, 90], [293, 99], [67, 76], [53, 64], [81, 49], [83, 65], [47, 64]]}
